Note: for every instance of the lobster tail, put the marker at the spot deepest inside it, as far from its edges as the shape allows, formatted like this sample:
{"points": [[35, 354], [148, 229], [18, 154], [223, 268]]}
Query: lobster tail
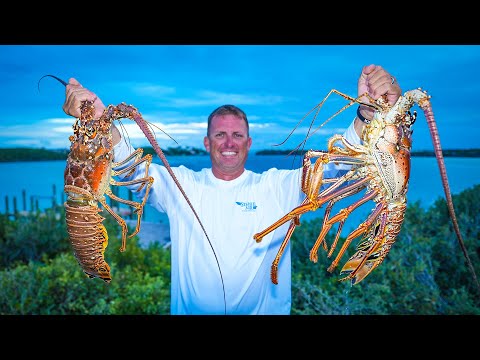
{"points": [[89, 239]]}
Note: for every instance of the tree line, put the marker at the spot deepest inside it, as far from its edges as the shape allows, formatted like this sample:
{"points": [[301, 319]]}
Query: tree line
{"points": [[42, 154]]}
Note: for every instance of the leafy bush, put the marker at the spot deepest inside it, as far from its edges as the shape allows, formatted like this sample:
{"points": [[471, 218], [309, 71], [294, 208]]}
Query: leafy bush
{"points": [[57, 285], [32, 237]]}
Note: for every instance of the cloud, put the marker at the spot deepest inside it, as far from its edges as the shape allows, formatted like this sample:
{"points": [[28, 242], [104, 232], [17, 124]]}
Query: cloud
{"points": [[54, 132], [206, 98], [153, 90]]}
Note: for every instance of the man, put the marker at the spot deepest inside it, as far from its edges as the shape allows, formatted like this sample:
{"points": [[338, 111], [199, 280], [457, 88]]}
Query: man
{"points": [[228, 272]]}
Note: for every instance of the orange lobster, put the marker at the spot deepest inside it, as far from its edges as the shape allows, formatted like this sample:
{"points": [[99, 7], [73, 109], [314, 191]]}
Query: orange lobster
{"points": [[88, 175], [381, 167]]}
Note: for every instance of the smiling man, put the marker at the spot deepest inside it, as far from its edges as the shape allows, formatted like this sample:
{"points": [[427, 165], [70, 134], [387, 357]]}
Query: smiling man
{"points": [[228, 272], [228, 141]]}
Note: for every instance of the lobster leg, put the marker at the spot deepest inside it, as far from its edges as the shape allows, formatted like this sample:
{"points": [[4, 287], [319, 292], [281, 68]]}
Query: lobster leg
{"points": [[120, 221], [313, 204], [295, 213], [274, 268], [295, 221], [341, 216], [308, 177], [328, 210], [348, 149], [137, 154], [148, 180], [138, 206], [294, 216], [312, 177], [344, 213], [356, 266], [361, 229]]}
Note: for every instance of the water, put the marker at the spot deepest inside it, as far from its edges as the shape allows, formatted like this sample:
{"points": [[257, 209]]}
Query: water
{"points": [[38, 179]]}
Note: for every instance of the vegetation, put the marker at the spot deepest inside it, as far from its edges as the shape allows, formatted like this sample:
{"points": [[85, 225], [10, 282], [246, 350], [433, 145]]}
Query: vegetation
{"points": [[53, 283], [28, 154], [425, 272]]}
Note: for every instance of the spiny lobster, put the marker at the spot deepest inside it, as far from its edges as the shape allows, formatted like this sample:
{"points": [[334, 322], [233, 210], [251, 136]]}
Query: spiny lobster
{"points": [[88, 175], [381, 166]]}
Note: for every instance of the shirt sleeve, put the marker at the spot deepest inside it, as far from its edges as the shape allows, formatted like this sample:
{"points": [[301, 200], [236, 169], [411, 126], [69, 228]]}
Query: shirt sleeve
{"points": [[122, 150], [351, 135], [333, 170]]}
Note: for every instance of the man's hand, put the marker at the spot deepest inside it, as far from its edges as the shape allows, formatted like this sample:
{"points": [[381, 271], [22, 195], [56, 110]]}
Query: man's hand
{"points": [[74, 95], [375, 81]]}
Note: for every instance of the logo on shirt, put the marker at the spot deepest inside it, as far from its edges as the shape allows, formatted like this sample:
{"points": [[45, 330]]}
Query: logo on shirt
{"points": [[247, 206]]}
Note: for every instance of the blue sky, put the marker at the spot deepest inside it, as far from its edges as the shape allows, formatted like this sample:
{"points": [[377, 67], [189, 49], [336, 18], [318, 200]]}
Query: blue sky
{"points": [[177, 86]]}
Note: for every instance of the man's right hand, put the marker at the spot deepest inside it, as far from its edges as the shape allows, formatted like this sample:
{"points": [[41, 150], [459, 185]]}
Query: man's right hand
{"points": [[74, 95]]}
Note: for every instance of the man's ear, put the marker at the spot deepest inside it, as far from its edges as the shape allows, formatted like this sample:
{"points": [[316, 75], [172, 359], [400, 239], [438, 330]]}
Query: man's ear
{"points": [[206, 143]]}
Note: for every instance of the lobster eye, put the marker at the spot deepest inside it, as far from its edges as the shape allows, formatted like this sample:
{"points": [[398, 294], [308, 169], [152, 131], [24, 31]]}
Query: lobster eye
{"points": [[75, 126], [91, 132], [414, 117]]}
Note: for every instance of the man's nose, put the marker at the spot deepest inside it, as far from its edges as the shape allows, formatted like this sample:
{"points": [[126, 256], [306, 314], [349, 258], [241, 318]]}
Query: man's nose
{"points": [[229, 141]]}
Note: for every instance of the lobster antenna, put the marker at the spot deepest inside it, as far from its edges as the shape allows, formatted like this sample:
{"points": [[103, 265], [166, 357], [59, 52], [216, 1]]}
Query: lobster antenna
{"points": [[124, 131], [53, 76], [298, 124], [296, 151], [316, 108], [356, 100], [150, 124], [426, 107]]}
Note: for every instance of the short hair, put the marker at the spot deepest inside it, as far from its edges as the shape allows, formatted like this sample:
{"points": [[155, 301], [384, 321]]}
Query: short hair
{"points": [[228, 110]]}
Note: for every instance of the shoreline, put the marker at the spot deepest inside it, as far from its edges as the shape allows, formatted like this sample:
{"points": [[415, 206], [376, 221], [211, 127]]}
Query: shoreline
{"points": [[41, 154]]}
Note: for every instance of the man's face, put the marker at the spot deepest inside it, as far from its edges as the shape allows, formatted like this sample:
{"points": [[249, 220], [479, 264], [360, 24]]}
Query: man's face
{"points": [[228, 144]]}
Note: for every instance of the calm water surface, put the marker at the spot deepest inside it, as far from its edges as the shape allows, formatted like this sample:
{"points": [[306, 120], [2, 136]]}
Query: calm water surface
{"points": [[42, 180]]}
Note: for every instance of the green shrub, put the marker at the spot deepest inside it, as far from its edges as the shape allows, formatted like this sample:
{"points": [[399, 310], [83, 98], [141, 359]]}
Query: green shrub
{"points": [[60, 287], [57, 286], [32, 237]]}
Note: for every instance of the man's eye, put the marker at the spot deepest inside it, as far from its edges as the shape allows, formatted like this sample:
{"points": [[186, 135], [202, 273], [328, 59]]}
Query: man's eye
{"points": [[238, 135], [218, 135]]}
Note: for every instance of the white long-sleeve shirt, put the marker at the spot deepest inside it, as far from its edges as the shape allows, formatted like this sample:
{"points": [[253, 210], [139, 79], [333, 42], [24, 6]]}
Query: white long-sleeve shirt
{"points": [[231, 213]]}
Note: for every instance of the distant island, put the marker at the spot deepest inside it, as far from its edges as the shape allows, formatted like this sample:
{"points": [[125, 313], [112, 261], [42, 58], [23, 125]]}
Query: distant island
{"points": [[41, 154]]}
